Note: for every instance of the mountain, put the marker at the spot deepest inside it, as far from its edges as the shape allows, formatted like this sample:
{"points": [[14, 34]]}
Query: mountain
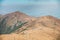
{"points": [[16, 16], [1, 15], [49, 21], [25, 27], [9, 21]]}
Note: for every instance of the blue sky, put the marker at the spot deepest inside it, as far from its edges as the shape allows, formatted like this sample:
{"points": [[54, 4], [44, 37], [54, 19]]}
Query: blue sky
{"points": [[31, 7]]}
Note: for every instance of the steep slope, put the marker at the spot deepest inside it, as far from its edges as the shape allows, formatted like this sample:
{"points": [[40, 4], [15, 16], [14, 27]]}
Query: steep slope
{"points": [[12, 20], [41, 28], [1, 16], [44, 28], [16, 17], [49, 21], [46, 21]]}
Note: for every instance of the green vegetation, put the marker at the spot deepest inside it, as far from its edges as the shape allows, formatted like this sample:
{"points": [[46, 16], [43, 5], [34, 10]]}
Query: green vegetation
{"points": [[4, 29], [15, 27], [2, 25]]}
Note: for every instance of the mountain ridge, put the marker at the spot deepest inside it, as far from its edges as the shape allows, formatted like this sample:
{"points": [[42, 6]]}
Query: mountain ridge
{"points": [[35, 28]]}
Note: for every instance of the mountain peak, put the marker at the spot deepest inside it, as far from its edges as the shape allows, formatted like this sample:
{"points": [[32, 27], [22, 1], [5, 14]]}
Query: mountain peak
{"points": [[48, 17], [18, 13]]}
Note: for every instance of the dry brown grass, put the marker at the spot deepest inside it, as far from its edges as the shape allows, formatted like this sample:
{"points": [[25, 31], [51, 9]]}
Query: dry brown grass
{"points": [[33, 34]]}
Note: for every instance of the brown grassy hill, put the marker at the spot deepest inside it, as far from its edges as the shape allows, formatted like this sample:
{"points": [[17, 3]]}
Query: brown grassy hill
{"points": [[41, 28]]}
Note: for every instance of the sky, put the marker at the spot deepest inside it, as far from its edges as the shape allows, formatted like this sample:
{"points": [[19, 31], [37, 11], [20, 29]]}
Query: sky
{"points": [[31, 7]]}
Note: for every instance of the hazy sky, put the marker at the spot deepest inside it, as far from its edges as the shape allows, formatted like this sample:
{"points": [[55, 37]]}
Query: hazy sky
{"points": [[31, 7]]}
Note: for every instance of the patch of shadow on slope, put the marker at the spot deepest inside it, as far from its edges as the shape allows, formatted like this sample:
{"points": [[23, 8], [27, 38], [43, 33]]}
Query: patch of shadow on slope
{"points": [[58, 37]]}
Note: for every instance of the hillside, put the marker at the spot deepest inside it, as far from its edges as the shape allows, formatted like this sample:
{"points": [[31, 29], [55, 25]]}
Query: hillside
{"points": [[29, 28]]}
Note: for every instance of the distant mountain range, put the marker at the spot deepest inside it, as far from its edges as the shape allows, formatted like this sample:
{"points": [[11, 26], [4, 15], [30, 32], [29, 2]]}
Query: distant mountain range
{"points": [[35, 28]]}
